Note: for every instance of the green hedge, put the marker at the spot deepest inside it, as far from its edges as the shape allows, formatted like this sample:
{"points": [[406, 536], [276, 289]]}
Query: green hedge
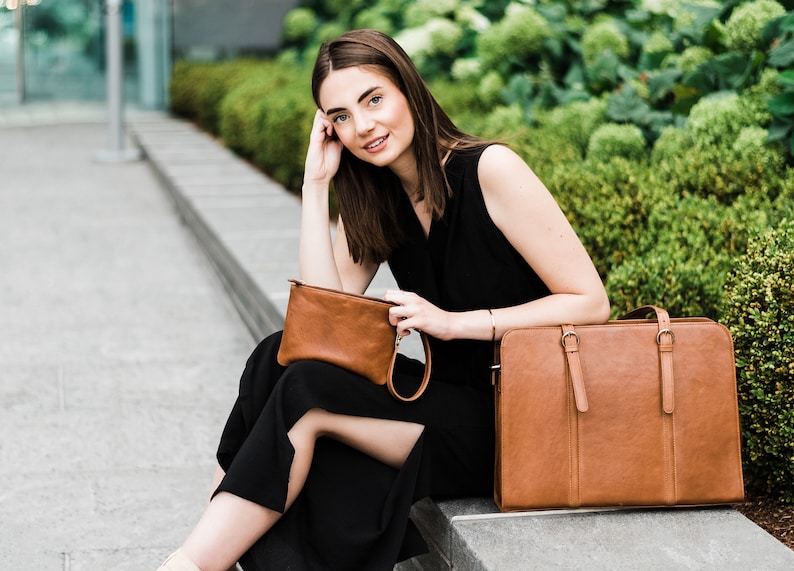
{"points": [[759, 309]]}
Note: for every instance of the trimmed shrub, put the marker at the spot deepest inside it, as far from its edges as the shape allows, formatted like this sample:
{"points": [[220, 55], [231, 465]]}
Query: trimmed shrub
{"points": [[196, 89], [671, 276], [286, 119], [759, 310], [614, 140], [717, 119], [607, 204], [240, 111], [688, 249], [186, 79], [576, 121]]}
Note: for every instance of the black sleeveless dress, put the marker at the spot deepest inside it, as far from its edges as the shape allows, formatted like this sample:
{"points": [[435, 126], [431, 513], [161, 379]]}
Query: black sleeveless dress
{"points": [[353, 511]]}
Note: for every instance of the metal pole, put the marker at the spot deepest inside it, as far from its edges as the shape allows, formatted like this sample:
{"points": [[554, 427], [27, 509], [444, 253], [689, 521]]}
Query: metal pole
{"points": [[115, 89], [19, 20]]}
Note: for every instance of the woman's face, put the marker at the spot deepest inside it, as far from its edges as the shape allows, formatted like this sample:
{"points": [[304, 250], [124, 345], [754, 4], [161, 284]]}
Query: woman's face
{"points": [[370, 115]]}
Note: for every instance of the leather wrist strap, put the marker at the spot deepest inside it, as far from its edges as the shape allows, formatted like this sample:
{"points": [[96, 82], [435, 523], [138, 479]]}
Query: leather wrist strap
{"points": [[425, 378]]}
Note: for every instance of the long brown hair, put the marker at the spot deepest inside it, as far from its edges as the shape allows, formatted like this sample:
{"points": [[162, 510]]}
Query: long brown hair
{"points": [[368, 195]]}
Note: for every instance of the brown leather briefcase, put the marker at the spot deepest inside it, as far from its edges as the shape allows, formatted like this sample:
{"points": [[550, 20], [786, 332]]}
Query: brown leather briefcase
{"points": [[636, 412]]}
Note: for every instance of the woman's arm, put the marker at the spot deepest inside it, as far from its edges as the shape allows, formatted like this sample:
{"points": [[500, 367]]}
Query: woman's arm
{"points": [[523, 209], [323, 262]]}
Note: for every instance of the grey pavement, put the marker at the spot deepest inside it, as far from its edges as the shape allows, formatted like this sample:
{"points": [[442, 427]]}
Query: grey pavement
{"points": [[119, 354], [122, 343]]}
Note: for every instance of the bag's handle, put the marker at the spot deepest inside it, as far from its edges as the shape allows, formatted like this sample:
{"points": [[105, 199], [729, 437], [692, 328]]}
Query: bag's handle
{"points": [[425, 378], [664, 339]]}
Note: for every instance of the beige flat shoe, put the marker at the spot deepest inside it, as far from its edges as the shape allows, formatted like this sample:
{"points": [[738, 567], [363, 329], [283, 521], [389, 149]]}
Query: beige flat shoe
{"points": [[178, 561]]}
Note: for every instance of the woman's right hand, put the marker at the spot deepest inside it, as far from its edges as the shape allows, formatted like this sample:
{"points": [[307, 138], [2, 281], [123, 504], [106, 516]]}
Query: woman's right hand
{"points": [[324, 153]]}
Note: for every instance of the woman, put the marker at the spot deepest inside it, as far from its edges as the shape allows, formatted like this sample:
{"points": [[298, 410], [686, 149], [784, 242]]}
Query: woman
{"points": [[318, 468]]}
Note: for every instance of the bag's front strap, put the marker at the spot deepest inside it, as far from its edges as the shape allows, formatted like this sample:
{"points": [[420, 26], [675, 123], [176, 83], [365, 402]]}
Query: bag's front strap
{"points": [[570, 342], [664, 339], [425, 378]]}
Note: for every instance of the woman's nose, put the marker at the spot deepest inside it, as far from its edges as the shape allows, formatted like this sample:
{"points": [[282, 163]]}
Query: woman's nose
{"points": [[364, 123]]}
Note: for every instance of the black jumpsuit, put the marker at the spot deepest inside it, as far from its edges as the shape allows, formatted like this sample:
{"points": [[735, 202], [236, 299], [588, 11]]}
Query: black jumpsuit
{"points": [[353, 511]]}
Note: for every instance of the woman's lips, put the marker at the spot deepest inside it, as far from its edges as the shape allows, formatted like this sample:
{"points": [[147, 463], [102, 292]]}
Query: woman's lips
{"points": [[376, 144]]}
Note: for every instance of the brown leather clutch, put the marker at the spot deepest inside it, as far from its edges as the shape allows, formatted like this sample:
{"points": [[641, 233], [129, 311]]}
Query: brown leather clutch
{"points": [[347, 330]]}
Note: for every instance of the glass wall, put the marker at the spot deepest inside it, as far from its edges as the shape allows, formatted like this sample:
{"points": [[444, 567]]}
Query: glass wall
{"points": [[54, 50], [62, 50], [9, 54]]}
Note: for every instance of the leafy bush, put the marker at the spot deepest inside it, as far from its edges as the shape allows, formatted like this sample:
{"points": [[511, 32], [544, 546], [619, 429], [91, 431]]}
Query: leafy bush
{"points": [[519, 36], [693, 57], [375, 20], [759, 309], [603, 36], [743, 28], [299, 24], [614, 140], [722, 151]]}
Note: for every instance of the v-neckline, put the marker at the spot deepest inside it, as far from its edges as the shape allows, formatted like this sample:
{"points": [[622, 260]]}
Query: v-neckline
{"points": [[425, 234]]}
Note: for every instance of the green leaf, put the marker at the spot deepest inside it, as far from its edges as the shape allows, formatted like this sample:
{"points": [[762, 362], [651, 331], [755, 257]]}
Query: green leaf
{"points": [[626, 106], [662, 83], [778, 131], [786, 78], [782, 55], [732, 70], [782, 105]]}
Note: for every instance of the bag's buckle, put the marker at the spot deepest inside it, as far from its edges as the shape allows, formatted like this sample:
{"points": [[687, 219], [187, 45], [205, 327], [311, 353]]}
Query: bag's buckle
{"points": [[572, 334], [659, 336]]}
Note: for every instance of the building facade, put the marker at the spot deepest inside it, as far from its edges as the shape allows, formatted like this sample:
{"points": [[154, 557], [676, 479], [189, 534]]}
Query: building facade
{"points": [[54, 50]]}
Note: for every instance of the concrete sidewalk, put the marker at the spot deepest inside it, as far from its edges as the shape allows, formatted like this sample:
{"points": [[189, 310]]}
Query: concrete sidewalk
{"points": [[121, 351], [119, 354]]}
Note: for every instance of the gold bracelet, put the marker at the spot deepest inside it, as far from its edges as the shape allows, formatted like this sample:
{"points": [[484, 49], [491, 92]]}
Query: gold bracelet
{"points": [[493, 326]]}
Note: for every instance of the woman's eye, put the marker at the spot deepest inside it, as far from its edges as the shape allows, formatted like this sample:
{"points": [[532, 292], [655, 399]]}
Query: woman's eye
{"points": [[376, 99], [341, 118]]}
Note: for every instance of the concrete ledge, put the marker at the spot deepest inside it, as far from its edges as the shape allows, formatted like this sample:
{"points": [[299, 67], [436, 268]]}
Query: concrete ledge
{"points": [[471, 535], [249, 228]]}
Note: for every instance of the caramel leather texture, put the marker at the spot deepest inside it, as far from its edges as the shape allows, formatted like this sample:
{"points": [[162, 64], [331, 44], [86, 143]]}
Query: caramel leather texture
{"points": [[347, 330], [611, 417]]}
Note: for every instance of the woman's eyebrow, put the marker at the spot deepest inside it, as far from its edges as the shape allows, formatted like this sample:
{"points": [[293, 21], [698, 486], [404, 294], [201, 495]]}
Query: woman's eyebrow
{"points": [[361, 98]]}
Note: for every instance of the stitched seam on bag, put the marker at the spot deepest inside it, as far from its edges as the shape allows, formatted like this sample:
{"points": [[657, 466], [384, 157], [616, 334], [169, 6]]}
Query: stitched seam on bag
{"points": [[675, 463], [668, 464], [578, 463], [570, 445]]}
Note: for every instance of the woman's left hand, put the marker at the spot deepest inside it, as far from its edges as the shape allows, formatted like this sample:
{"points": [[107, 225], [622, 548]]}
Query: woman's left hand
{"points": [[415, 312]]}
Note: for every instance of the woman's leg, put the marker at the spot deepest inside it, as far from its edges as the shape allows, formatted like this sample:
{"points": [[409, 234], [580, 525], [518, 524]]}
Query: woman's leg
{"points": [[230, 524]]}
